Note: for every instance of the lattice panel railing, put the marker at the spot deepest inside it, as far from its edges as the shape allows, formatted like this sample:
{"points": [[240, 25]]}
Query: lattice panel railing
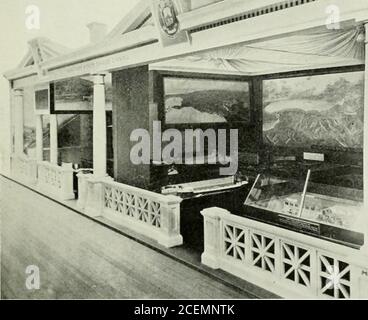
{"points": [[263, 252], [152, 214], [296, 265], [334, 277], [235, 242], [132, 205], [56, 180], [50, 176], [24, 169]]}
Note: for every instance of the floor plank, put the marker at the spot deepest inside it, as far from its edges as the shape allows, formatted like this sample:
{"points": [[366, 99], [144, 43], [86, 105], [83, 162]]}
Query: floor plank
{"points": [[79, 258]]}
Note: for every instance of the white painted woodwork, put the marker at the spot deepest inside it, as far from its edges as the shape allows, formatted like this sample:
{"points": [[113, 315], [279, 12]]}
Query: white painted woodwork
{"points": [[153, 215], [129, 51], [53, 139], [124, 43], [55, 181], [82, 189], [25, 82], [99, 127], [288, 263], [18, 106], [24, 169], [20, 73], [39, 138]]}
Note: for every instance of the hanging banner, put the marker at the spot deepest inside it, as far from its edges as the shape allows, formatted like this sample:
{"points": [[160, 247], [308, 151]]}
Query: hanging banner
{"points": [[165, 14]]}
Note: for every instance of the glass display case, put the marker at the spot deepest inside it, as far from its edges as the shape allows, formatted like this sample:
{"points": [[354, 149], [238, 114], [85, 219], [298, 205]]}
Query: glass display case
{"points": [[304, 204]]}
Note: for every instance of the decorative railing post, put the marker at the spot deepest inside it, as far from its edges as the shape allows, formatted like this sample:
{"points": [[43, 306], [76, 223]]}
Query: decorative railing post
{"points": [[24, 169], [170, 223], [66, 186], [31, 171], [212, 236], [150, 214], [56, 181], [94, 200], [95, 195], [83, 189]]}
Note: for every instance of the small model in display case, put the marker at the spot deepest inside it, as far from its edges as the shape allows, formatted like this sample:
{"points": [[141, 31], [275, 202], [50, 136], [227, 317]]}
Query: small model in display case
{"points": [[331, 212]]}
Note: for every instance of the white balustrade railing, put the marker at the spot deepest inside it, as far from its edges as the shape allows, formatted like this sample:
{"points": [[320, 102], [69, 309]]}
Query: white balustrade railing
{"points": [[287, 263], [150, 214], [56, 180], [24, 169]]}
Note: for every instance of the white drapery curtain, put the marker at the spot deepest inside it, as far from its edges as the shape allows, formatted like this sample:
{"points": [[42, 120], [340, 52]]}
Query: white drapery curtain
{"points": [[315, 48]]}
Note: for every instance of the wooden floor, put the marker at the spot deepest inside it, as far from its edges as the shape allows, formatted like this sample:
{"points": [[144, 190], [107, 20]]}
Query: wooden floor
{"points": [[79, 258]]}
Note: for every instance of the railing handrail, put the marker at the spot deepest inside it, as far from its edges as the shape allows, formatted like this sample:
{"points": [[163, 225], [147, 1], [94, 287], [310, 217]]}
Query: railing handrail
{"points": [[148, 213], [55, 166], [22, 157], [352, 255], [165, 199], [265, 255]]}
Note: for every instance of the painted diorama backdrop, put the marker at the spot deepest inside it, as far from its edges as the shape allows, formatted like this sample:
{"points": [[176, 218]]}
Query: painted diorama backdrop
{"points": [[325, 110]]}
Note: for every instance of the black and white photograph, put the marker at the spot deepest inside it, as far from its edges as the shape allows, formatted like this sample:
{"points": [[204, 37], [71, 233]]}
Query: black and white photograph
{"points": [[203, 151]]}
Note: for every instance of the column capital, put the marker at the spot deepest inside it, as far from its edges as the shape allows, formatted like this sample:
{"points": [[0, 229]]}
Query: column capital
{"points": [[18, 92], [98, 79]]}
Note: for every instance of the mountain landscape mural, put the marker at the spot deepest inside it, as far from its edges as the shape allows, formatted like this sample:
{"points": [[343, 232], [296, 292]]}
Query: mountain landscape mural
{"points": [[206, 101], [322, 111]]}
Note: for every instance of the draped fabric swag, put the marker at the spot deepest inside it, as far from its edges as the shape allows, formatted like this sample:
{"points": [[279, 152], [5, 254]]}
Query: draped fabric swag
{"points": [[317, 48]]}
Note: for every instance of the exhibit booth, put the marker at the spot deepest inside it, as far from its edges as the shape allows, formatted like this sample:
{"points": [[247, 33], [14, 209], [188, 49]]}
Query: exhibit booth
{"points": [[293, 217]]}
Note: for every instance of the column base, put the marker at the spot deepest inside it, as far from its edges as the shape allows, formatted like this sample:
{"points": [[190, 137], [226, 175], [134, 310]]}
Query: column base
{"points": [[210, 261], [67, 196], [169, 242], [93, 212]]}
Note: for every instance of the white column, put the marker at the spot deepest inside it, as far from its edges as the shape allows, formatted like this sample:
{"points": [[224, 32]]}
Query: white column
{"points": [[39, 138], [53, 139], [6, 123], [99, 126], [365, 148], [18, 122]]}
